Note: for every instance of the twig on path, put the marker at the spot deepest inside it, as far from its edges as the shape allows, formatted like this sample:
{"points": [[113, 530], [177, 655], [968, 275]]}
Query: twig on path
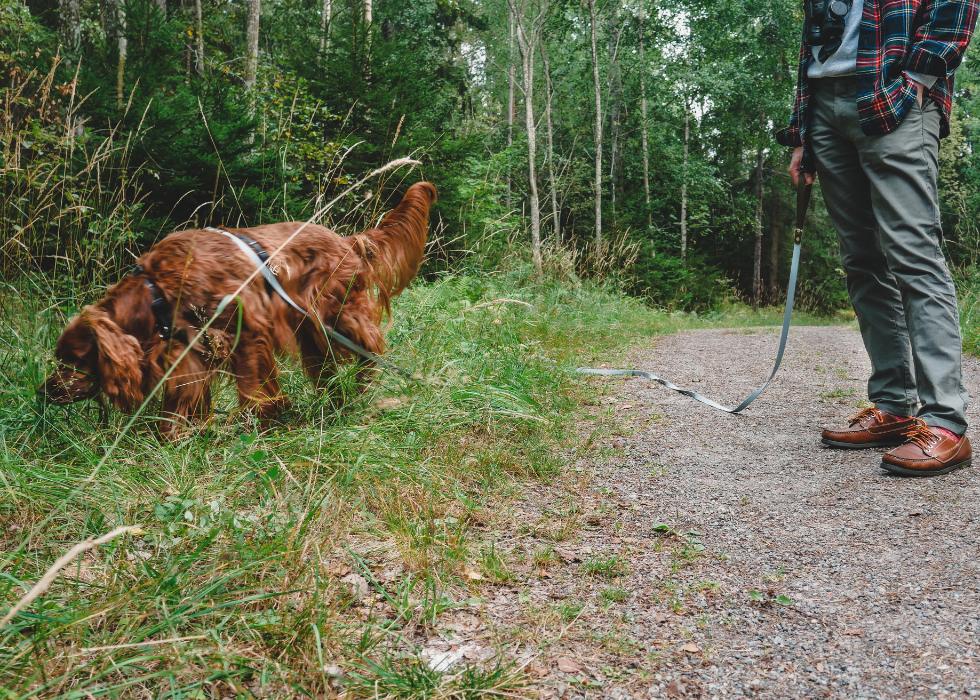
{"points": [[51, 574]]}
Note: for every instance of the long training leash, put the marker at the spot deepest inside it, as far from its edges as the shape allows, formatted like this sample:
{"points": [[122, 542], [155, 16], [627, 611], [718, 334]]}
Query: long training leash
{"points": [[254, 252], [802, 201]]}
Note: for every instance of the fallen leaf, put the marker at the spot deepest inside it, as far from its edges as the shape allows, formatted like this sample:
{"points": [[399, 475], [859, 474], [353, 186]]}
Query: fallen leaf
{"points": [[676, 688], [615, 540], [566, 665], [819, 667], [537, 669], [692, 648], [471, 573], [358, 584], [336, 569], [567, 556], [660, 618], [913, 513], [625, 505], [854, 632]]}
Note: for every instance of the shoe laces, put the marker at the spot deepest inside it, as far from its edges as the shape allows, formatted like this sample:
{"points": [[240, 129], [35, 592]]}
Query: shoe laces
{"points": [[871, 412], [919, 434]]}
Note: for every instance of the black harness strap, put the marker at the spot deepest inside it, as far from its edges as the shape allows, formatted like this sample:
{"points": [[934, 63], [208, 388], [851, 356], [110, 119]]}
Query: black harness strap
{"points": [[158, 305], [260, 252]]}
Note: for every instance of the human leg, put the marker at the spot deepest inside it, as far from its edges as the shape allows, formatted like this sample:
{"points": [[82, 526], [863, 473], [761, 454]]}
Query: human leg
{"points": [[873, 289], [902, 168]]}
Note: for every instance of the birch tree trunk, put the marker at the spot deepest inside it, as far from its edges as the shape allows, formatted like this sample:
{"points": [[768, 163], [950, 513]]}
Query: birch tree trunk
{"points": [[555, 219], [252, 42], [121, 68], [510, 102], [199, 37], [325, 27], [757, 257], [162, 4], [598, 132], [368, 19], [526, 45], [687, 138], [615, 100], [643, 116], [70, 24]]}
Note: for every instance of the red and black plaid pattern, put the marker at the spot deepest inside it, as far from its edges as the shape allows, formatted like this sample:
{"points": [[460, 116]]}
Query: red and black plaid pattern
{"points": [[923, 36]]}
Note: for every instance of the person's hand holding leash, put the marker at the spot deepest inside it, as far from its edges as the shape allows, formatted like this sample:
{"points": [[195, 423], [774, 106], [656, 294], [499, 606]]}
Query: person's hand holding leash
{"points": [[794, 168]]}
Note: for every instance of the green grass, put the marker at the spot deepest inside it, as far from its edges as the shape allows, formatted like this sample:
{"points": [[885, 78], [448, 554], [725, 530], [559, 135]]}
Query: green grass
{"points": [[235, 586]]}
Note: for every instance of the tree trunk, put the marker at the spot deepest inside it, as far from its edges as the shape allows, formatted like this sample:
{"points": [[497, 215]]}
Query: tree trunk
{"points": [[252, 42], [687, 138], [162, 4], [773, 244], [368, 19], [526, 45], [598, 132], [757, 259], [121, 68], [325, 27], [643, 116], [615, 101], [199, 31], [70, 27], [555, 218], [510, 103]]}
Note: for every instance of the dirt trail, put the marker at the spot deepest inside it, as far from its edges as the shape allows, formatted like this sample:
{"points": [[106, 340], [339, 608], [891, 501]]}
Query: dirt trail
{"points": [[880, 572]]}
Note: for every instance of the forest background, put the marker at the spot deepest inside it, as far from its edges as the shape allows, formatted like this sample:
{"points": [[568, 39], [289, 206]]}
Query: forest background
{"points": [[623, 138], [609, 166]]}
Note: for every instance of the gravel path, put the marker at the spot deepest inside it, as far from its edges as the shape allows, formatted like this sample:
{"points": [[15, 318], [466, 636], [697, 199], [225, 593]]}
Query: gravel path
{"points": [[880, 573]]}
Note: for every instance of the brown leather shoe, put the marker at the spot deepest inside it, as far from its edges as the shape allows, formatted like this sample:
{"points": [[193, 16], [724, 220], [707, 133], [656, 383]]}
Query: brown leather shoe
{"points": [[869, 428], [927, 453]]}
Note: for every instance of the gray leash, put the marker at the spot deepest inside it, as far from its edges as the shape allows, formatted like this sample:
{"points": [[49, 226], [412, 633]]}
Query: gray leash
{"points": [[802, 201], [245, 244]]}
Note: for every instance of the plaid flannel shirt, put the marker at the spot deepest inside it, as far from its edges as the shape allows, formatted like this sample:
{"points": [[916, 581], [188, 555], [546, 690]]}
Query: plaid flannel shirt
{"points": [[922, 36]]}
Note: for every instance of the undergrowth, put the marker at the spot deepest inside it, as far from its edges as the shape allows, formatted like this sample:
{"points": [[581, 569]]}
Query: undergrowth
{"points": [[260, 557]]}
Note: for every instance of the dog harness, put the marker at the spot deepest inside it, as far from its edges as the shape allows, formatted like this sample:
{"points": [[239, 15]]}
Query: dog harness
{"points": [[254, 252], [158, 305]]}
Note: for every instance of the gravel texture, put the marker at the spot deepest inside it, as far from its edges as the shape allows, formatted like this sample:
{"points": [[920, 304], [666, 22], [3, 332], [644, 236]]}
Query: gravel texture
{"points": [[865, 585]]}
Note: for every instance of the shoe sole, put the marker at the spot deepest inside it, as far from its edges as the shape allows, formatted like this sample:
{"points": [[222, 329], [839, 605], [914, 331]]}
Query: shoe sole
{"points": [[902, 471], [859, 446]]}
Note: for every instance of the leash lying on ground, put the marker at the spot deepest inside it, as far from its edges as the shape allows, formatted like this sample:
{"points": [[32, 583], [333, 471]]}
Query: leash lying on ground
{"points": [[802, 200], [254, 252]]}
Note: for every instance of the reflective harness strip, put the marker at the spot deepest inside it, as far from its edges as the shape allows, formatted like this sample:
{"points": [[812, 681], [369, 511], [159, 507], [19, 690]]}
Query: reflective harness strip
{"points": [[802, 201]]}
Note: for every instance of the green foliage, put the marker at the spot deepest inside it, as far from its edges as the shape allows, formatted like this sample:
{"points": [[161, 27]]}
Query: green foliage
{"points": [[673, 283]]}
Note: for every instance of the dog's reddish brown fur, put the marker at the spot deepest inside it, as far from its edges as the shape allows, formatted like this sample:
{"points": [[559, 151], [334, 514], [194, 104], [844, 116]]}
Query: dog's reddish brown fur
{"points": [[115, 346]]}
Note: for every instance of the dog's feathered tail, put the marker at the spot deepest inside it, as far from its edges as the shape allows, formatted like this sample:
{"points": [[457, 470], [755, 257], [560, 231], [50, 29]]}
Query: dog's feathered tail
{"points": [[395, 248]]}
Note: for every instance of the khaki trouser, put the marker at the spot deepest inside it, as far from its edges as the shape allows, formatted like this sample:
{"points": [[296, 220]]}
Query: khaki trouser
{"points": [[881, 192]]}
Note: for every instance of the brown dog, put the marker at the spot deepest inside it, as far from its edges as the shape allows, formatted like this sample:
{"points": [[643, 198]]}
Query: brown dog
{"points": [[123, 345]]}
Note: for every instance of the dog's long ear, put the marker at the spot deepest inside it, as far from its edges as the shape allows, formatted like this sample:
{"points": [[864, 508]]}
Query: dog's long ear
{"points": [[119, 360]]}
